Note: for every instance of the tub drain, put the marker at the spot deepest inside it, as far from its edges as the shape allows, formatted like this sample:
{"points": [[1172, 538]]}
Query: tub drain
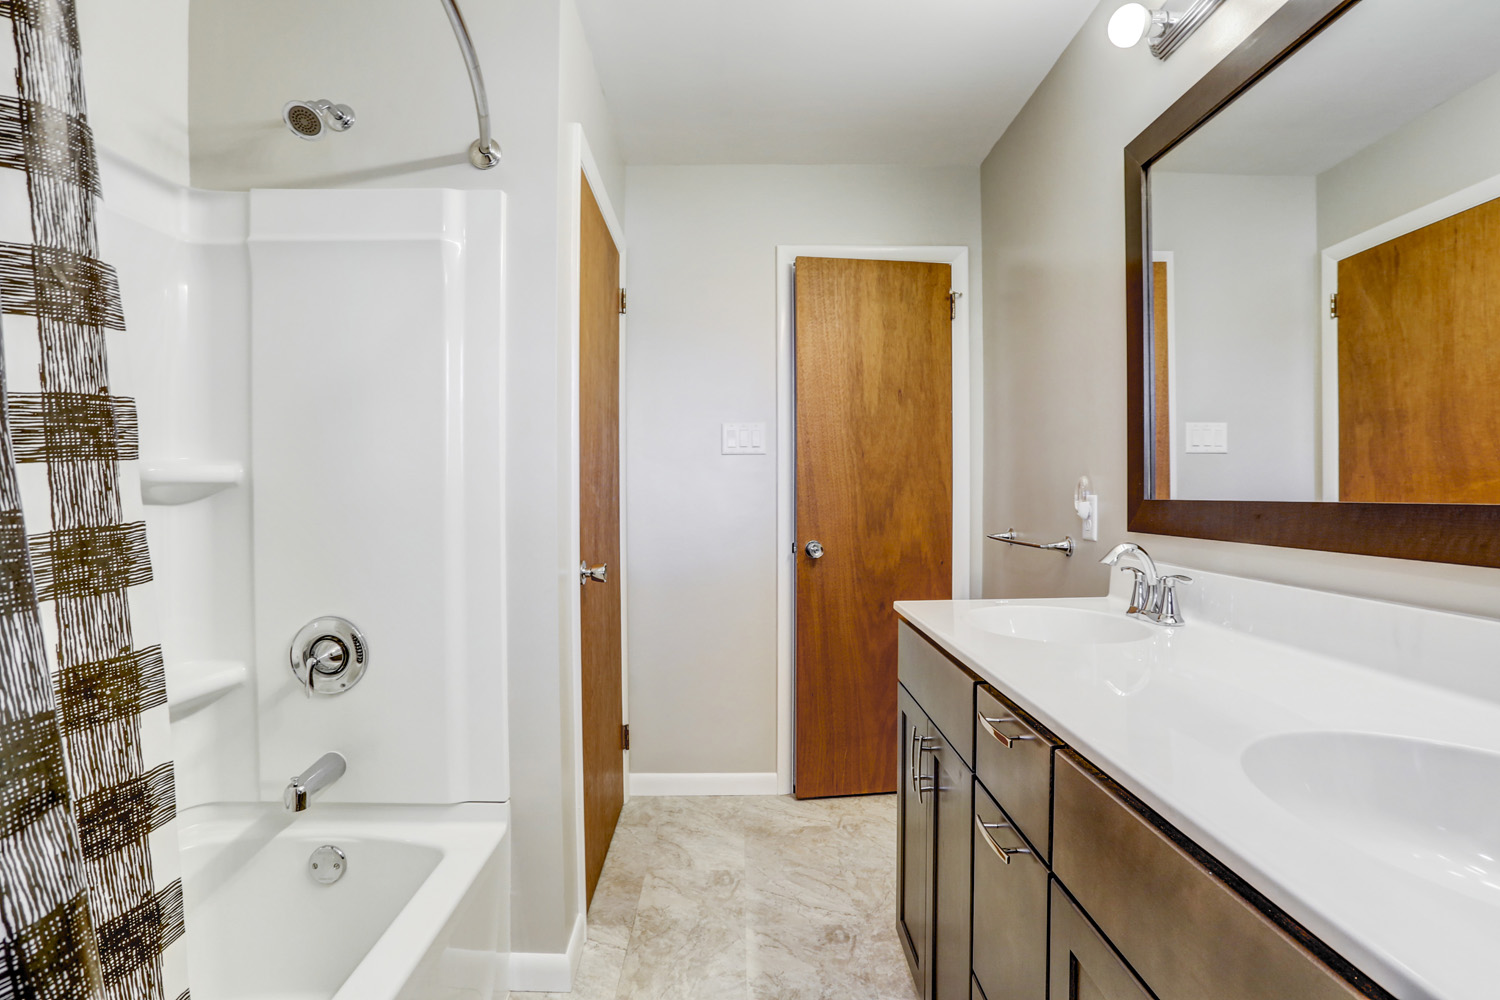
{"points": [[327, 864]]}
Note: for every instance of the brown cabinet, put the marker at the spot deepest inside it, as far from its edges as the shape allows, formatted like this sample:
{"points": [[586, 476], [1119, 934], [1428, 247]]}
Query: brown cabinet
{"points": [[1083, 965], [1184, 929], [1013, 760], [914, 847], [1010, 907], [935, 700], [953, 884], [1034, 876]]}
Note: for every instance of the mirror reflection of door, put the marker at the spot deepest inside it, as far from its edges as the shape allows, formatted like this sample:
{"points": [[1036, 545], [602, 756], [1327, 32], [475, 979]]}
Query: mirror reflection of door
{"points": [[1161, 331], [1419, 365]]}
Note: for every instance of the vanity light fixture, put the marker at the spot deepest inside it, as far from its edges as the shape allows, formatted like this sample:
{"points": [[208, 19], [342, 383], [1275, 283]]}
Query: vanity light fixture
{"points": [[1164, 29]]}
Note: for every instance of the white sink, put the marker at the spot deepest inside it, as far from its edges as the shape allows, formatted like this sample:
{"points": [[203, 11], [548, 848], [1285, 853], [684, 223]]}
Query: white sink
{"points": [[1432, 809], [1074, 626]]}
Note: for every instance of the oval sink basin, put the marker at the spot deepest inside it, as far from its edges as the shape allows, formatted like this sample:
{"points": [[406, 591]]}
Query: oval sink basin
{"points": [[1429, 808], [1074, 626]]}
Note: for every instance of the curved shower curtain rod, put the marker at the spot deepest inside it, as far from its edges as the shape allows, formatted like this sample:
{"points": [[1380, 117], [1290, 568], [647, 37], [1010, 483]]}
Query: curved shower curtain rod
{"points": [[484, 152]]}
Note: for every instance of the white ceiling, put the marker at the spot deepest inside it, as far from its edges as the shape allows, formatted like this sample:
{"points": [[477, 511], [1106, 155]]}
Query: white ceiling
{"points": [[1375, 69], [822, 81]]}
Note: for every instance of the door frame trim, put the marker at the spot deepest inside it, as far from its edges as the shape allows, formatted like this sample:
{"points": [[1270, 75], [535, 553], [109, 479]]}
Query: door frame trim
{"points": [[579, 159], [967, 458]]}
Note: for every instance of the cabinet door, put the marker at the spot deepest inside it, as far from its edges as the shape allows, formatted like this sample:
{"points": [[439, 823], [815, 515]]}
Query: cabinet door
{"points": [[954, 836], [1084, 966], [1010, 907], [914, 806]]}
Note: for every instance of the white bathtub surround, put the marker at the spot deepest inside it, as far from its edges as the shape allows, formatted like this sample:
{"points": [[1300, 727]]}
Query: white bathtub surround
{"points": [[421, 913], [1388, 715], [377, 419], [180, 254]]}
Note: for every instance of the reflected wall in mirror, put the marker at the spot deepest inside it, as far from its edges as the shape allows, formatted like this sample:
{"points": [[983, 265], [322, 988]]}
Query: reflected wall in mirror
{"points": [[1323, 298]]}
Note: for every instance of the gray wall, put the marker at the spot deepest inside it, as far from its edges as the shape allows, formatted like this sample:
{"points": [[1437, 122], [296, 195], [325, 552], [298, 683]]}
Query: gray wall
{"points": [[1245, 295], [1055, 332], [701, 351], [1451, 147]]}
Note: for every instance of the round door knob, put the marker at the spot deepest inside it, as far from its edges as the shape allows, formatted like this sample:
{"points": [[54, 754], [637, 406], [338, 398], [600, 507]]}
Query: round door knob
{"points": [[814, 550]]}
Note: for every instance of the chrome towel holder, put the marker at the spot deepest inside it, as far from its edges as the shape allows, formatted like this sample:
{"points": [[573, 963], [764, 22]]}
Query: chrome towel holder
{"points": [[1011, 538]]}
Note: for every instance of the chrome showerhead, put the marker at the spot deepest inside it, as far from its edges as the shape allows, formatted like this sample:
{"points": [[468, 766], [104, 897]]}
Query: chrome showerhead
{"points": [[311, 119]]}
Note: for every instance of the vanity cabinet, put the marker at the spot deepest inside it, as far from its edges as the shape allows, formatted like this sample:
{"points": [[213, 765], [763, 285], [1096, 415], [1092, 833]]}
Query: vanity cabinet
{"points": [[935, 804], [914, 847], [1178, 921], [1083, 965], [1032, 875], [1010, 907]]}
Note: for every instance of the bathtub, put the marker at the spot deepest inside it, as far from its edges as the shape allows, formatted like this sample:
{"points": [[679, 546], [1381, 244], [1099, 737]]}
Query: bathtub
{"points": [[420, 913]]}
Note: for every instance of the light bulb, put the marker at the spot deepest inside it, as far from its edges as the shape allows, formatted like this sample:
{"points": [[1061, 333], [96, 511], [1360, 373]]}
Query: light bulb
{"points": [[1129, 24]]}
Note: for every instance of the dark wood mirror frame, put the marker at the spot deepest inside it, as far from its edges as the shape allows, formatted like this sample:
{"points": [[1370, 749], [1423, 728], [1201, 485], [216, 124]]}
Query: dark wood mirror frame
{"points": [[1454, 533]]}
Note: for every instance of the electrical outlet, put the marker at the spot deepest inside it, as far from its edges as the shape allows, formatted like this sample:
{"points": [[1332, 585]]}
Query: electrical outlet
{"points": [[1091, 518]]}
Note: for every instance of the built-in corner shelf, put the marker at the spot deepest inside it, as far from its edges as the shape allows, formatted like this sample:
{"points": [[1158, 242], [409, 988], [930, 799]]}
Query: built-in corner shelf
{"points": [[197, 683], [168, 483]]}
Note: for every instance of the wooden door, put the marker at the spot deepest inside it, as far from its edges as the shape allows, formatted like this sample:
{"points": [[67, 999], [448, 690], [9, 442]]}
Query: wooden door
{"points": [[875, 489], [1419, 365], [1161, 480], [599, 536]]}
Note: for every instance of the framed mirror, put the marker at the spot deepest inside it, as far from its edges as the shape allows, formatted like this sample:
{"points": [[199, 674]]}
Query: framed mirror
{"points": [[1313, 288]]}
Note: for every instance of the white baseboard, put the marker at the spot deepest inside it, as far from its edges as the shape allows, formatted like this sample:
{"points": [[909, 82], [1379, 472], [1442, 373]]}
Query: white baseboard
{"points": [[736, 783], [549, 972]]}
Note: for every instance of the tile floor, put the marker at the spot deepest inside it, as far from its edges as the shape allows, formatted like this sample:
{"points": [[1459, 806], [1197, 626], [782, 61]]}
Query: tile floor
{"points": [[764, 898]]}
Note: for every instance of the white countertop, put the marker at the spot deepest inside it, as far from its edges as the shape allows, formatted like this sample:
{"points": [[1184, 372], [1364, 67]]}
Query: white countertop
{"points": [[1170, 716]]}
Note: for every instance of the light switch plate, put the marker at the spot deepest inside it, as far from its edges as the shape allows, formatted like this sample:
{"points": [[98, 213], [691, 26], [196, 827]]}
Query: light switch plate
{"points": [[1207, 439], [743, 439]]}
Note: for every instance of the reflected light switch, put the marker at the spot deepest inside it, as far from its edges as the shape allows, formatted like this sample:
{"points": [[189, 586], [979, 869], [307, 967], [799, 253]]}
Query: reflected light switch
{"points": [[743, 439], [1207, 439]]}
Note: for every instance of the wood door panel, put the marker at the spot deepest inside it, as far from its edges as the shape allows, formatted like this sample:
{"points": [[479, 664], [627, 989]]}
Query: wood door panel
{"points": [[1419, 365], [874, 486], [599, 535], [1161, 488]]}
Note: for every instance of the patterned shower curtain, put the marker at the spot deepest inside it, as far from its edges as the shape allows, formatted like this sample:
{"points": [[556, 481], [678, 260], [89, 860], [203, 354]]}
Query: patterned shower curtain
{"points": [[88, 907]]}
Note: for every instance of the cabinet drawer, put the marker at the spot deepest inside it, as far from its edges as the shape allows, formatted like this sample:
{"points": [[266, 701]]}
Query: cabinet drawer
{"points": [[944, 689], [1010, 908], [1013, 759], [1171, 917], [1084, 966]]}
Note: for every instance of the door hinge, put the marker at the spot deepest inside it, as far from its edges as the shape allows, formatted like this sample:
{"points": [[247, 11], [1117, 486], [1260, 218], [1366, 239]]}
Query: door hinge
{"points": [[953, 298], [625, 737], [1333, 306], [622, 301]]}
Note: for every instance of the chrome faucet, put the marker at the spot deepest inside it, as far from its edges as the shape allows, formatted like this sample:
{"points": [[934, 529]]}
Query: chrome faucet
{"points": [[1153, 596], [325, 771]]}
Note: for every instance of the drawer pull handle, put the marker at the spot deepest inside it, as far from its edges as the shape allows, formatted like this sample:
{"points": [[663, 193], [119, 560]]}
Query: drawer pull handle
{"points": [[1005, 741], [1003, 853], [918, 748]]}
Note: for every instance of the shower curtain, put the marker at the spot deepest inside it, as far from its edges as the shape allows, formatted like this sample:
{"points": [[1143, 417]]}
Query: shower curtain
{"points": [[89, 905]]}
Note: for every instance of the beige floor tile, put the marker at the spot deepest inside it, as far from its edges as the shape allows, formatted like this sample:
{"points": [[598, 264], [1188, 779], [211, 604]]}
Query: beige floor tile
{"points": [[761, 898]]}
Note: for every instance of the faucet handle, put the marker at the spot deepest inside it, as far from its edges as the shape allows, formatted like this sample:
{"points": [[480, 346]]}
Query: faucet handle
{"points": [[1168, 614], [1140, 600]]}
